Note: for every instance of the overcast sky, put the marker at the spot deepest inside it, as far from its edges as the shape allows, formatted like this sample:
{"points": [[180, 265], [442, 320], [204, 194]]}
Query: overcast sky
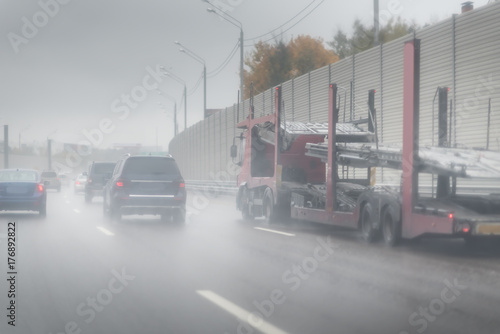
{"points": [[68, 69]]}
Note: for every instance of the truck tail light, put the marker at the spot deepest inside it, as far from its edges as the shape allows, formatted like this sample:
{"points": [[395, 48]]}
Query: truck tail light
{"points": [[182, 185], [119, 183]]}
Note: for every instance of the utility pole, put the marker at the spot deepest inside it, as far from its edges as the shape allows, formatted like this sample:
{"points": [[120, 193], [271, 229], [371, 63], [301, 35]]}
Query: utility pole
{"points": [[376, 22], [241, 64]]}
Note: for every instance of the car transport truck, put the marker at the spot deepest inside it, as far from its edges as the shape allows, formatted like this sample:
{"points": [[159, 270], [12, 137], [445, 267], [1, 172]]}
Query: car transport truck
{"points": [[291, 169]]}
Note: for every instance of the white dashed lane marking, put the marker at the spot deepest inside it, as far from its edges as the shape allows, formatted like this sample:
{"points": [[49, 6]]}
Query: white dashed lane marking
{"points": [[251, 319], [274, 231], [105, 231]]}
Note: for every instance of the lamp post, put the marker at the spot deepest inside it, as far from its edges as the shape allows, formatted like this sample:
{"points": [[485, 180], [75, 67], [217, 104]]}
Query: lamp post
{"points": [[182, 82], [201, 61], [175, 108], [237, 24]]}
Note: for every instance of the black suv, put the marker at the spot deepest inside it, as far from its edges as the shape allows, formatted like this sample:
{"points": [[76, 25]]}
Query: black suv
{"points": [[146, 185], [99, 173]]}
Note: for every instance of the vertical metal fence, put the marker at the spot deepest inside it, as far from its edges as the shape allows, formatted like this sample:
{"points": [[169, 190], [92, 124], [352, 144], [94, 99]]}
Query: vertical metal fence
{"points": [[461, 53]]}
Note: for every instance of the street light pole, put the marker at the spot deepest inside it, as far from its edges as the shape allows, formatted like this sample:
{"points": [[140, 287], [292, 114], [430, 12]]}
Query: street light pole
{"points": [[185, 106], [175, 109], [182, 82], [239, 25], [241, 65], [201, 61], [204, 91]]}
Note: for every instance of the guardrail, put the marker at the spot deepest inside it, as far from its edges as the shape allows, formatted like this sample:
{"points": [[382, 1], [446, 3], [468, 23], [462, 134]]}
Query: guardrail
{"points": [[215, 187], [229, 187]]}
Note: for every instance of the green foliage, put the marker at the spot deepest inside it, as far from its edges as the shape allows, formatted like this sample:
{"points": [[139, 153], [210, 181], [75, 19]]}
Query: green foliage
{"points": [[363, 37], [271, 64]]}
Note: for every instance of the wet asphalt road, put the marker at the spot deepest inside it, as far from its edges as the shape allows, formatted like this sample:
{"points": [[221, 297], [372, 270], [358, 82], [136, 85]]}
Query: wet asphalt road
{"points": [[80, 273]]}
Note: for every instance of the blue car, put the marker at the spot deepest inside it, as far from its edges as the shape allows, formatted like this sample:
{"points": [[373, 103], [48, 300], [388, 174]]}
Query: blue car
{"points": [[22, 189]]}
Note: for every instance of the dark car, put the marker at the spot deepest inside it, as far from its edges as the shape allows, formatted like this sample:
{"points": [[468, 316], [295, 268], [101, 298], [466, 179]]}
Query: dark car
{"points": [[22, 189], [146, 185], [51, 180], [99, 172]]}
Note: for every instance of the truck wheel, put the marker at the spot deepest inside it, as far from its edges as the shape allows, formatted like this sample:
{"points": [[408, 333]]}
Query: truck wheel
{"points": [[391, 229], [244, 207], [367, 230], [268, 208]]}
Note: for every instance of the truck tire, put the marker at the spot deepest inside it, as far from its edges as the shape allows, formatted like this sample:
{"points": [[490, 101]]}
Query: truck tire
{"points": [[391, 228], [366, 218], [268, 208], [243, 205]]}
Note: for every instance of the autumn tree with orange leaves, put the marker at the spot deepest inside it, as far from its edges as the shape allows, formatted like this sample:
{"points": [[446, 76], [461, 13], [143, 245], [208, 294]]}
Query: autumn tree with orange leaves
{"points": [[271, 64]]}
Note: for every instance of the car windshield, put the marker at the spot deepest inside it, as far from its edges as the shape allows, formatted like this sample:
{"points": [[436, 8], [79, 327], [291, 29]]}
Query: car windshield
{"points": [[103, 168], [49, 174], [151, 168], [18, 176]]}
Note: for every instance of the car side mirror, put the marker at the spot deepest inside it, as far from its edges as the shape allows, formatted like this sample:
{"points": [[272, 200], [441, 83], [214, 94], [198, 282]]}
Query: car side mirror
{"points": [[234, 151]]}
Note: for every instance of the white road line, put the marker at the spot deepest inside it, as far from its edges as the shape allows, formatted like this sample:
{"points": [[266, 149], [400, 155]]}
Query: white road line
{"points": [[250, 318], [76, 210], [274, 231], [103, 230]]}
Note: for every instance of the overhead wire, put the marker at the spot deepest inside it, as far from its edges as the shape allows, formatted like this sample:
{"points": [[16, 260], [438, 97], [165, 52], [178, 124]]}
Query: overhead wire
{"points": [[196, 85], [232, 53], [293, 25], [225, 63], [282, 25]]}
